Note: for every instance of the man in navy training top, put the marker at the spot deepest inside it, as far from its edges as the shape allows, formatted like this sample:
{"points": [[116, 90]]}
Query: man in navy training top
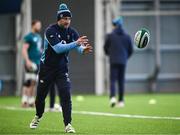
{"points": [[60, 38], [118, 47]]}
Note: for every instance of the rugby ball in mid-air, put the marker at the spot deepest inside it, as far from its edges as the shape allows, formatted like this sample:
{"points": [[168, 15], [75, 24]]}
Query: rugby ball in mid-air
{"points": [[141, 38]]}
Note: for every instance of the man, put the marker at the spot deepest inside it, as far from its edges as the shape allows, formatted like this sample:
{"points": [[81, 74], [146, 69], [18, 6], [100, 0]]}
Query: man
{"points": [[31, 52], [60, 38], [118, 47]]}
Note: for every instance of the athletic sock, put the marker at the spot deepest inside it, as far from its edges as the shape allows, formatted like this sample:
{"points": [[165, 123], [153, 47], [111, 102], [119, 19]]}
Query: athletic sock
{"points": [[31, 100], [24, 99]]}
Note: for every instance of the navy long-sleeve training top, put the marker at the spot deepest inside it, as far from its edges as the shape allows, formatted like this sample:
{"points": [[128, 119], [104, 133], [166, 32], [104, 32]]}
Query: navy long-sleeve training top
{"points": [[58, 42], [118, 46]]}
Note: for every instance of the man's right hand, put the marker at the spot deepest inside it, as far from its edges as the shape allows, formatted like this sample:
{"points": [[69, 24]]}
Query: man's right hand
{"points": [[82, 40], [29, 64]]}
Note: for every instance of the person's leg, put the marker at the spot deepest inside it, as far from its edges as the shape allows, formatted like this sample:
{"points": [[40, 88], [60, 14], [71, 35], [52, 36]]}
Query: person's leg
{"points": [[42, 91], [26, 87], [34, 82], [121, 81], [24, 99], [52, 96], [33, 88], [30, 83], [58, 93], [113, 78], [66, 104], [25, 92], [64, 86], [46, 79], [58, 106], [31, 94]]}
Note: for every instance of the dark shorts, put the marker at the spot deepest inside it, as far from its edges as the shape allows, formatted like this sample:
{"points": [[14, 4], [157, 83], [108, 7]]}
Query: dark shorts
{"points": [[54, 75], [30, 75]]}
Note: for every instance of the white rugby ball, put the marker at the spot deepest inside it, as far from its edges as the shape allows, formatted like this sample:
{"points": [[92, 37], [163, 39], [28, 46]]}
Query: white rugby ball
{"points": [[142, 38], [34, 67]]}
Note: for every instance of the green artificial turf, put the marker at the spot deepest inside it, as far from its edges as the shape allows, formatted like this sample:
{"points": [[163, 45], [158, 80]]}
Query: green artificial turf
{"points": [[168, 105]]}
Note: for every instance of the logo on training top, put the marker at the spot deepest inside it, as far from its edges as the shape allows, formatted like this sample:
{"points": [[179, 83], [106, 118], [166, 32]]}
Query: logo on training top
{"points": [[67, 77], [35, 39], [39, 43], [68, 37], [63, 42], [59, 36], [51, 36]]}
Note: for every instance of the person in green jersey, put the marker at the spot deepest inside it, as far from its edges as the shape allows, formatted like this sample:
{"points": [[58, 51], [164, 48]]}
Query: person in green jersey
{"points": [[31, 52]]}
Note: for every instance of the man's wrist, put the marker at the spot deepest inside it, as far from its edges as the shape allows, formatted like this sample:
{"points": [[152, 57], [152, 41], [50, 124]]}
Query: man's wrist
{"points": [[28, 61], [77, 44]]}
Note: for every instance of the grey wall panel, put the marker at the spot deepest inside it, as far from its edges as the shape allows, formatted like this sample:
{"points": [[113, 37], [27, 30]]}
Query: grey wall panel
{"points": [[7, 30], [141, 62], [170, 62], [170, 30], [8, 88], [8, 62], [136, 86], [170, 37], [7, 55], [169, 86], [81, 67]]}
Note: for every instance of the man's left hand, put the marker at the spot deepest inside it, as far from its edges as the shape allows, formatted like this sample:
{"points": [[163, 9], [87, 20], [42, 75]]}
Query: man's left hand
{"points": [[87, 49]]}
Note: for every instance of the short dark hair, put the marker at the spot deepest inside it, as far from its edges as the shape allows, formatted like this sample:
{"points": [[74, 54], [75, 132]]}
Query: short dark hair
{"points": [[34, 22]]}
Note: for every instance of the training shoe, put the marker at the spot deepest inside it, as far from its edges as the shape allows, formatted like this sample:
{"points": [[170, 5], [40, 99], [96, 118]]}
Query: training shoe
{"points": [[69, 129], [24, 105], [120, 104], [34, 123], [32, 105], [113, 101]]}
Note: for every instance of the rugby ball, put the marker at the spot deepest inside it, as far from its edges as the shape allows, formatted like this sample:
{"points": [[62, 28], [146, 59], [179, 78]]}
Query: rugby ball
{"points": [[142, 38], [34, 67]]}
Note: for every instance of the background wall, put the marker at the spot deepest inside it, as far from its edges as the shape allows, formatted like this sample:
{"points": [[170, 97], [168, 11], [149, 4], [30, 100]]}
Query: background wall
{"points": [[7, 54], [136, 14]]}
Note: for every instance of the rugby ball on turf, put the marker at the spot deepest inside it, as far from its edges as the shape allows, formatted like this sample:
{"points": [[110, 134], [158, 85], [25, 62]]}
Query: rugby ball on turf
{"points": [[141, 38]]}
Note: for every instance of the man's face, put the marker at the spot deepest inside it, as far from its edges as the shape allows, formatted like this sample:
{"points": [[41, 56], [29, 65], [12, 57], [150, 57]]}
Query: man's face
{"points": [[65, 22], [37, 27]]}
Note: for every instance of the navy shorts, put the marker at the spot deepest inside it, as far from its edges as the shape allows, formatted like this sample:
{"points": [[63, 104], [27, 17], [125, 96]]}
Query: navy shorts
{"points": [[50, 75]]}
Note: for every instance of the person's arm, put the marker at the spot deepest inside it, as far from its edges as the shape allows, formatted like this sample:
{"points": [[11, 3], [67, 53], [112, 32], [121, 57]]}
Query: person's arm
{"points": [[106, 45], [58, 46], [85, 49], [75, 36], [82, 49], [62, 48], [25, 55]]}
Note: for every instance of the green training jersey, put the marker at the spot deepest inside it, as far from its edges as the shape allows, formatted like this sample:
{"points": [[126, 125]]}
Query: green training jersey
{"points": [[35, 46]]}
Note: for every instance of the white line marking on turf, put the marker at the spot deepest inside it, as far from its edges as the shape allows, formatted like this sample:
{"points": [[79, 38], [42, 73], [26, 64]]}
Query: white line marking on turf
{"points": [[126, 115], [100, 114]]}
